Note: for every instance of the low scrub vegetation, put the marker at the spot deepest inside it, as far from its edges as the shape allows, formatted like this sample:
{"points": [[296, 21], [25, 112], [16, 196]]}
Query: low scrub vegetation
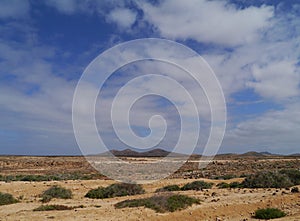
{"points": [[268, 180], [292, 174], [114, 190], [225, 177], [6, 198], [56, 192], [197, 185], [224, 185], [269, 213], [235, 185], [282, 179], [161, 203], [56, 177], [53, 207], [169, 188]]}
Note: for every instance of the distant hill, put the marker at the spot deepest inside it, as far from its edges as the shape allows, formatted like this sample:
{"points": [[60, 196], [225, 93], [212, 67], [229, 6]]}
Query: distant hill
{"points": [[230, 155], [158, 152], [151, 153], [294, 155], [252, 154], [266, 153], [258, 154]]}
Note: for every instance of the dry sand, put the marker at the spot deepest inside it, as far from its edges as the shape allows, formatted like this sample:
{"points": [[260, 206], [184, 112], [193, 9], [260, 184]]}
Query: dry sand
{"points": [[234, 204]]}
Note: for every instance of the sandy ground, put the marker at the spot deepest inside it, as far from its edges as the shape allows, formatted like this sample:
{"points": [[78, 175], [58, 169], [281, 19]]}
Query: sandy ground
{"points": [[226, 204]]}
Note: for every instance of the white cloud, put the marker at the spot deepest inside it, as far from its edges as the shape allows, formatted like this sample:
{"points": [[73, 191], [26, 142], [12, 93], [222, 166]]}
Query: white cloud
{"points": [[35, 103], [142, 115], [265, 60], [64, 6], [261, 66], [278, 80], [123, 17], [14, 8], [208, 21], [268, 65], [275, 131]]}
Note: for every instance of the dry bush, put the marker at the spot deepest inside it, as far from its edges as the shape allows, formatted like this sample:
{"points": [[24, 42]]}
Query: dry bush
{"points": [[6, 198], [56, 192], [161, 203], [114, 190]]}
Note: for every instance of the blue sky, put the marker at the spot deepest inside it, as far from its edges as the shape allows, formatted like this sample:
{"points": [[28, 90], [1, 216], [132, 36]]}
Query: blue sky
{"points": [[252, 46]]}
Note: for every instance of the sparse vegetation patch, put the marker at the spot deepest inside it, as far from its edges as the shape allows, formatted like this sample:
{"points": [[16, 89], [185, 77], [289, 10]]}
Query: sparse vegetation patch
{"points": [[224, 185], [6, 198], [269, 213], [235, 185], [56, 177], [197, 185], [114, 190], [161, 203], [293, 175], [53, 207], [56, 192], [225, 177], [169, 188], [267, 180]]}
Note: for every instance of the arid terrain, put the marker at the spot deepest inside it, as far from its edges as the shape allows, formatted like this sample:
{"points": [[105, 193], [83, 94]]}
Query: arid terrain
{"points": [[216, 204]]}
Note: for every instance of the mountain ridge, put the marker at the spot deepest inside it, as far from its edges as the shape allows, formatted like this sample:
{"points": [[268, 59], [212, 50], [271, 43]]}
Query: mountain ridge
{"points": [[159, 152]]}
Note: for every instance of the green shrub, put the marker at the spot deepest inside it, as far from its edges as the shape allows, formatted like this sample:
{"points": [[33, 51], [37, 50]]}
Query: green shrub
{"points": [[99, 193], [294, 175], [197, 185], [56, 192], [114, 190], [155, 203], [161, 203], [230, 185], [267, 180], [169, 188], [33, 178], [225, 177], [6, 198], [40, 178], [269, 213], [282, 179], [223, 185], [52, 207], [236, 185], [178, 202]]}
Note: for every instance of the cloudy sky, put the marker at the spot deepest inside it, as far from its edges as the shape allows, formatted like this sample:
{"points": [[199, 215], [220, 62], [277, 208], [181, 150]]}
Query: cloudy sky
{"points": [[253, 47]]}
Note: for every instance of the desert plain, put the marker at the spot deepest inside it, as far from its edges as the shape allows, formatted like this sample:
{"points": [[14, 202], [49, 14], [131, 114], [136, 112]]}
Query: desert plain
{"points": [[237, 204]]}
